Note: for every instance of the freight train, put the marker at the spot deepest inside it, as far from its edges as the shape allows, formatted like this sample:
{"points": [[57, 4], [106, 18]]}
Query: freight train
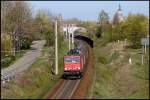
{"points": [[75, 60]]}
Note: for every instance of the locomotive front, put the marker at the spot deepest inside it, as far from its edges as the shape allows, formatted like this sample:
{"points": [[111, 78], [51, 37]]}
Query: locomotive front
{"points": [[73, 64]]}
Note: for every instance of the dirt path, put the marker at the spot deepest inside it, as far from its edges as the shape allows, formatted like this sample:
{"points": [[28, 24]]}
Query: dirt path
{"points": [[24, 62]]}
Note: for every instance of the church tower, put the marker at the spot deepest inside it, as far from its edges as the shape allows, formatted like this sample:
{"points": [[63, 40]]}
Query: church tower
{"points": [[118, 17]]}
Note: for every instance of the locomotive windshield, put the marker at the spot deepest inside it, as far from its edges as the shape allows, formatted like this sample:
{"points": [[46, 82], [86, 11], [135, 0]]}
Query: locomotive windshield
{"points": [[72, 59], [74, 51]]}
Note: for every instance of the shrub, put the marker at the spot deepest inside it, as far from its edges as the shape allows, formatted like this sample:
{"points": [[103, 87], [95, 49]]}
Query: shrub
{"points": [[49, 37], [99, 32], [26, 42], [102, 59], [114, 56], [6, 61]]}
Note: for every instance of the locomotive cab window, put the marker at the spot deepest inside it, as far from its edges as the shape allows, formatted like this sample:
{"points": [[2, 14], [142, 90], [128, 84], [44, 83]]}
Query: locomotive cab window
{"points": [[75, 59], [72, 59], [68, 60]]}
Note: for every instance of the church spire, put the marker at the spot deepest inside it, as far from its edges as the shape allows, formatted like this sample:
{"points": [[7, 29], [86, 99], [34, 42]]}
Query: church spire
{"points": [[118, 17], [119, 8]]}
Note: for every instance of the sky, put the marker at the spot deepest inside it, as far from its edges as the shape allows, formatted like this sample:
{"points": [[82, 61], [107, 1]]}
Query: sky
{"points": [[89, 10]]}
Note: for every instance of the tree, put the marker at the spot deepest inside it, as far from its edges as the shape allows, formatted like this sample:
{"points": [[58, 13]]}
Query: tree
{"points": [[137, 26], [45, 27], [119, 31], [104, 27], [6, 44], [16, 15], [103, 20]]}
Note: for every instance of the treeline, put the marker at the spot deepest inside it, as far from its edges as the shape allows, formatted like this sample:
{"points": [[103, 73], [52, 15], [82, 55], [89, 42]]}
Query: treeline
{"points": [[133, 28]]}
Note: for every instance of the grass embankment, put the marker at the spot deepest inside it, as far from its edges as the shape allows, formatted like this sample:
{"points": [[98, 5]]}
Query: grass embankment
{"points": [[35, 82], [115, 77]]}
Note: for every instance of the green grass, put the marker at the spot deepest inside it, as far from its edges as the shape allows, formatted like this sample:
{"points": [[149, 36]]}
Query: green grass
{"points": [[140, 74], [39, 76], [110, 84], [137, 67]]}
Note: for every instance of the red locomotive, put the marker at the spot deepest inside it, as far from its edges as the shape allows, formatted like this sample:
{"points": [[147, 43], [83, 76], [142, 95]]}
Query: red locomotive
{"points": [[74, 62]]}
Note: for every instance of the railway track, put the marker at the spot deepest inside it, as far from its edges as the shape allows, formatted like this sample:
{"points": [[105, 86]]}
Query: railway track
{"points": [[72, 89], [66, 90]]}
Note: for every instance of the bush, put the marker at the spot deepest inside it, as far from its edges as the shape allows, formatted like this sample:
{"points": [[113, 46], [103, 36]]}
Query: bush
{"points": [[114, 56], [6, 61], [26, 42], [9, 59], [49, 37], [102, 59], [99, 32]]}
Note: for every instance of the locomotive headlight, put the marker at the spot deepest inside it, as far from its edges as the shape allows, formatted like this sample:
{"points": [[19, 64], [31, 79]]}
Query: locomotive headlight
{"points": [[78, 67], [65, 68]]}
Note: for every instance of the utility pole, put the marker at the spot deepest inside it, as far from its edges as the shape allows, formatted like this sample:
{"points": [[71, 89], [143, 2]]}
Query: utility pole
{"points": [[125, 43], [69, 37], [145, 47], [72, 37], [72, 40], [14, 44], [56, 50], [142, 55], [67, 33]]}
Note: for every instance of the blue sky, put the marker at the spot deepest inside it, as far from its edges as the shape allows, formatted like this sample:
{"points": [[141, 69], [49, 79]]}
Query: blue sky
{"points": [[89, 10]]}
